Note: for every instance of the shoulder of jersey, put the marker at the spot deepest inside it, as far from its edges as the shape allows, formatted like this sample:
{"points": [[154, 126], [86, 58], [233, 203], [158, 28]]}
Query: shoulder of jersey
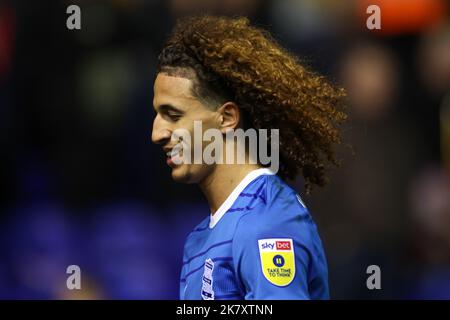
{"points": [[276, 196]]}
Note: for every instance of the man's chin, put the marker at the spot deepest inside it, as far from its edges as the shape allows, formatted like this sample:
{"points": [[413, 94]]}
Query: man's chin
{"points": [[181, 174], [192, 173]]}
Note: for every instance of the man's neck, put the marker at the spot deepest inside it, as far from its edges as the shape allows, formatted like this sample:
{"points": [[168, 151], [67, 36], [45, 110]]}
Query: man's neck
{"points": [[218, 185]]}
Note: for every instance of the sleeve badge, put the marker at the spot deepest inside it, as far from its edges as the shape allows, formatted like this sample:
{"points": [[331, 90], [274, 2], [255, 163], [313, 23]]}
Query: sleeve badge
{"points": [[277, 260]]}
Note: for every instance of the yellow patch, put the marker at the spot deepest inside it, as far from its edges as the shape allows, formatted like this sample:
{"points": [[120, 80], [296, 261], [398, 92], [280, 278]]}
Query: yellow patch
{"points": [[277, 260]]}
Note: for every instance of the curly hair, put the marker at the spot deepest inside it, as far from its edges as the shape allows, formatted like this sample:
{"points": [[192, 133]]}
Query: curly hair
{"points": [[235, 61]]}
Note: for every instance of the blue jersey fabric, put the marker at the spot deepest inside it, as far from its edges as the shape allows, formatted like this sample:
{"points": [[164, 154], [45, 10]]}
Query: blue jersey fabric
{"points": [[224, 261]]}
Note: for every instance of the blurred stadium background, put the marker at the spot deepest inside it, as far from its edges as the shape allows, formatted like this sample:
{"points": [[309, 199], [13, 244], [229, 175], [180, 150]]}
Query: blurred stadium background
{"points": [[82, 184]]}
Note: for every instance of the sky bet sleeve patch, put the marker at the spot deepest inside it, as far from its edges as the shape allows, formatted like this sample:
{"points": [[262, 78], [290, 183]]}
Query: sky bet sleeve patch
{"points": [[277, 260]]}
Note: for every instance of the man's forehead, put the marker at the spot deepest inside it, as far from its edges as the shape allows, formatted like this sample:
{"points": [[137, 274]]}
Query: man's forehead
{"points": [[172, 85]]}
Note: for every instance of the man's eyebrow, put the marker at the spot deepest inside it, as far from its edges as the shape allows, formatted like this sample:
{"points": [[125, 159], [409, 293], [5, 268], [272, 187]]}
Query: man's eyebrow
{"points": [[168, 107]]}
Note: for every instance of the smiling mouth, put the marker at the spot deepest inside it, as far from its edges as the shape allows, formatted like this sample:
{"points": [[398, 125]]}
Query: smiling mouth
{"points": [[174, 153], [174, 156]]}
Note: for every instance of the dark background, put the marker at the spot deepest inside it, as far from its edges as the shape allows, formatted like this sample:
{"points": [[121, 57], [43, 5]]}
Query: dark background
{"points": [[81, 182]]}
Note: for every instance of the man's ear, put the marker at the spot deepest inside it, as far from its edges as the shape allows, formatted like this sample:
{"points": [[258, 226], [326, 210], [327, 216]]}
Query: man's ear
{"points": [[230, 116]]}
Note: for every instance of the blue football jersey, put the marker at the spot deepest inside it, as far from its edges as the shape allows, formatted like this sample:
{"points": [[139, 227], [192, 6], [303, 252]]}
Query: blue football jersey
{"points": [[260, 244]]}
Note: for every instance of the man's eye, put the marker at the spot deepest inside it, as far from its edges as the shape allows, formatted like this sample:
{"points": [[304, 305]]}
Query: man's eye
{"points": [[174, 116]]}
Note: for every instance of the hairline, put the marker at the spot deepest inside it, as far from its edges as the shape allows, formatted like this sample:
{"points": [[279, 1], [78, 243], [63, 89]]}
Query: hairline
{"points": [[187, 72]]}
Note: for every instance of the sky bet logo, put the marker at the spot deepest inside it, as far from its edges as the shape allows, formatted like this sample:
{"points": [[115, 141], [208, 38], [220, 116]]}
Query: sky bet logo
{"points": [[276, 245]]}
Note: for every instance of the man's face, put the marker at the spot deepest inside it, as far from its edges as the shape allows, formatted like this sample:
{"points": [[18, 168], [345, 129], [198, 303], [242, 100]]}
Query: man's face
{"points": [[177, 108]]}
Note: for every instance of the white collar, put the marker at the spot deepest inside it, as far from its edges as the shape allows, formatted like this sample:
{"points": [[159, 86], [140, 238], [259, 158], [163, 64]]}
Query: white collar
{"points": [[235, 194]]}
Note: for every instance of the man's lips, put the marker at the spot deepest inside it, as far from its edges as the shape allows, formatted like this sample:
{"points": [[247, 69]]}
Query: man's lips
{"points": [[173, 154]]}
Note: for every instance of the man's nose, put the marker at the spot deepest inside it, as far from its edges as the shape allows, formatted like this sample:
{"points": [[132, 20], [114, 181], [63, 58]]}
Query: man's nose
{"points": [[160, 133]]}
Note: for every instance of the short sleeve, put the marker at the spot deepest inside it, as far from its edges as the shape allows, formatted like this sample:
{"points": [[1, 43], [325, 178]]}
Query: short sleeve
{"points": [[271, 260]]}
